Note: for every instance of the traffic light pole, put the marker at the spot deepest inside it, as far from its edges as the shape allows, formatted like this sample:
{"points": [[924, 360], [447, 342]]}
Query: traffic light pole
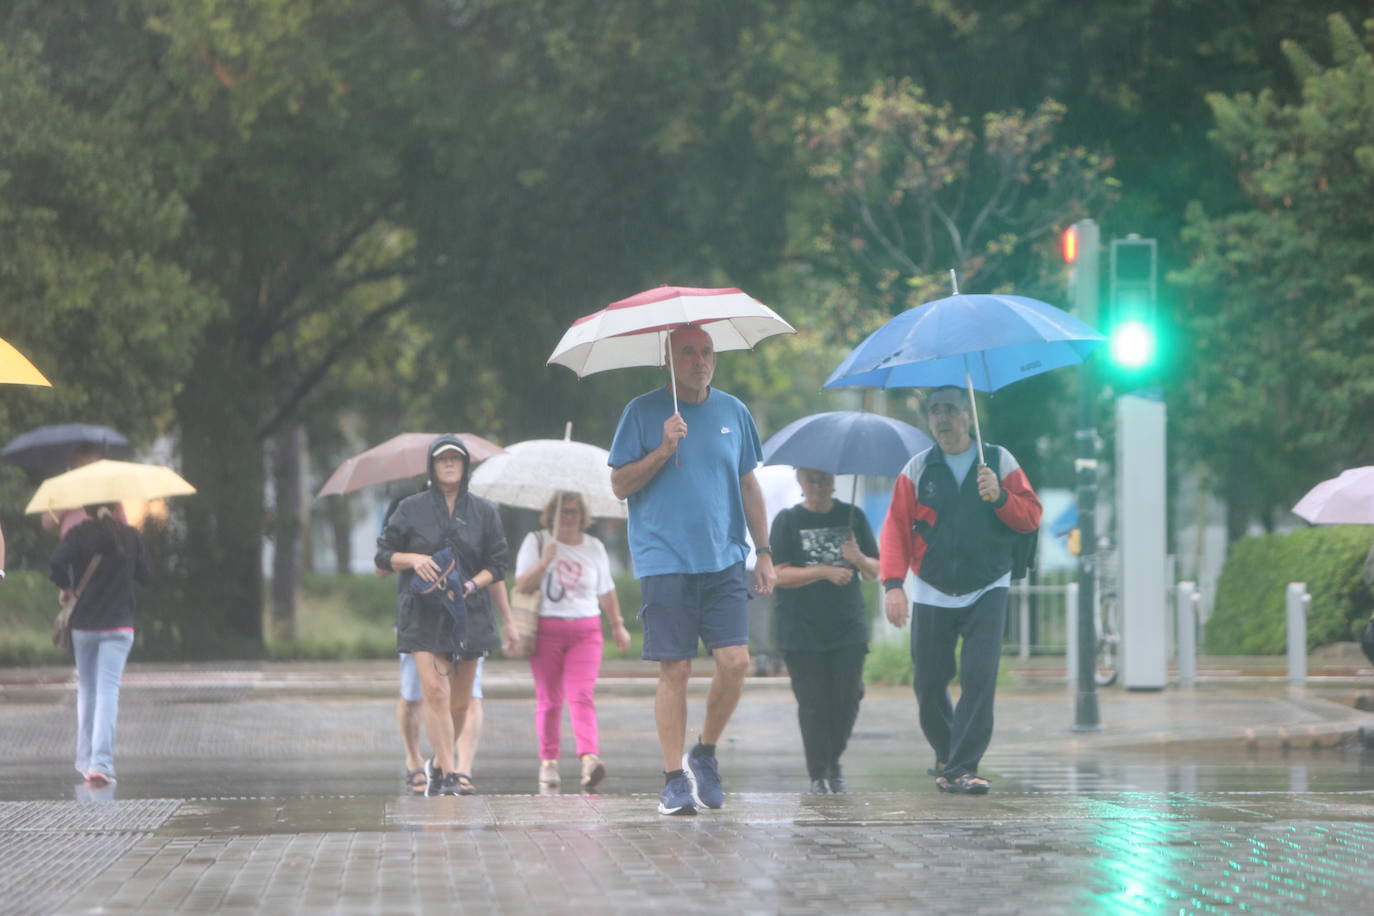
{"points": [[1085, 294]]}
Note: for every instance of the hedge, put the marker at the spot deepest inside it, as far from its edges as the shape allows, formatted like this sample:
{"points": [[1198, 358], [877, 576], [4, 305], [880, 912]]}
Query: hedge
{"points": [[1249, 617]]}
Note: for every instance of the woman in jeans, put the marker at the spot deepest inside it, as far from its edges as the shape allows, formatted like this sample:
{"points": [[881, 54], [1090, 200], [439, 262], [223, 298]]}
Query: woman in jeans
{"points": [[570, 570], [102, 627]]}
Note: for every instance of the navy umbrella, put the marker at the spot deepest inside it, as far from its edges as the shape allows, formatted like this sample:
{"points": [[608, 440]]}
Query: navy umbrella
{"points": [[50, 448], [846, 442]]}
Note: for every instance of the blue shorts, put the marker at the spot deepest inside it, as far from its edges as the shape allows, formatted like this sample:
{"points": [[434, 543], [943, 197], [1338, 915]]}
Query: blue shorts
{"points": [[410, 679], [680, 608]]}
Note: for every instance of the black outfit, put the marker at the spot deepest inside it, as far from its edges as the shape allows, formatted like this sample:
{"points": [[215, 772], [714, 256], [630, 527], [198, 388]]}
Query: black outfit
{"points": [[822, 629], [422, 524], [107, 602]]}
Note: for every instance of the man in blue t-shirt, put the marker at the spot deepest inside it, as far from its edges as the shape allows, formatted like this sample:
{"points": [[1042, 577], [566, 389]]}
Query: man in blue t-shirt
{"points": [[691, 498]]}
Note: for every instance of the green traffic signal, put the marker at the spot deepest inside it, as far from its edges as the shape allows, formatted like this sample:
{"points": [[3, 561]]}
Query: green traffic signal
{"points": [[1132, 345]]}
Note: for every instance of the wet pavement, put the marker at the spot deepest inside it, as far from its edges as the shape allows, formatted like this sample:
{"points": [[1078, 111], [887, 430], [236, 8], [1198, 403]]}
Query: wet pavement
{"points": [[277, 788]]}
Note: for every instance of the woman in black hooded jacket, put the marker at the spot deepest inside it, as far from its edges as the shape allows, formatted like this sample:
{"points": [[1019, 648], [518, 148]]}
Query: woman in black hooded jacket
{"points": [[443, 516]]}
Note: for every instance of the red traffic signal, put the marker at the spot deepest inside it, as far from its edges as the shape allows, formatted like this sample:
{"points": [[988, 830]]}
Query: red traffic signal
{"points": [[1068, 244]]}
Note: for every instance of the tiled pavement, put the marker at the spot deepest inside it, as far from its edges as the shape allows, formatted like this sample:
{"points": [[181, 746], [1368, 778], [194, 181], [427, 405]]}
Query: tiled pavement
{"points": [[242, 799]]}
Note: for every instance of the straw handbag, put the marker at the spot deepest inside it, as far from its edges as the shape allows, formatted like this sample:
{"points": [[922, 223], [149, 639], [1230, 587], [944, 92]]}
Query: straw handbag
{"points": [[524, 611]]}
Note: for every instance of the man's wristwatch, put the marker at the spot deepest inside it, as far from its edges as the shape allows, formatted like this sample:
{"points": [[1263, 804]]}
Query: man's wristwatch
{"points": [[758, 551], [891, 584]]}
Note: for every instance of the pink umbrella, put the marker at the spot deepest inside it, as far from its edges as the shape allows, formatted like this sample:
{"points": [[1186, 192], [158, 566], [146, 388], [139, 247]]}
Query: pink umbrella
{"points": [[631, 332], [397, 458], [1344, 500]]}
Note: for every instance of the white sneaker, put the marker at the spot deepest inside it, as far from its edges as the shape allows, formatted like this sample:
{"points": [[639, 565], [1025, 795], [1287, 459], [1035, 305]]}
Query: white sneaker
{"points": [[593, 771], [548, 773]]}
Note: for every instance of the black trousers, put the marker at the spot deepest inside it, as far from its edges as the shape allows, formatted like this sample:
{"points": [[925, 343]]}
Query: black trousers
{"points": [[828, 686], [958, 734]]}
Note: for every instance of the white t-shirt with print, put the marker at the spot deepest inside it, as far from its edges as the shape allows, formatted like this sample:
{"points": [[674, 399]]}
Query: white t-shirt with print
{"points": [[574, 581]]}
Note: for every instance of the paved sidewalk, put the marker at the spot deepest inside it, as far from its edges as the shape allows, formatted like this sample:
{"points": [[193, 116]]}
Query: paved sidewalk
{"points": [[276, 788]]}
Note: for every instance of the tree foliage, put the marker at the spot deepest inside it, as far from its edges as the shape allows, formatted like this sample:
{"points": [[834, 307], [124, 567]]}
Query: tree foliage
{"points": [[1279, 302]]}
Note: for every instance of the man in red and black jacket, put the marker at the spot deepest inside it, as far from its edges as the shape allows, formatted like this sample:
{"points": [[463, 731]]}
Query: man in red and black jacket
{"points": [[952, 523]]}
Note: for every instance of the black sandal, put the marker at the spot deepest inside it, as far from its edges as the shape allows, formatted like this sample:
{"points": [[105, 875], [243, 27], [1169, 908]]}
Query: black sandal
{"points": [[465, 785], [969, 784], [943, 784], [411, 777]]}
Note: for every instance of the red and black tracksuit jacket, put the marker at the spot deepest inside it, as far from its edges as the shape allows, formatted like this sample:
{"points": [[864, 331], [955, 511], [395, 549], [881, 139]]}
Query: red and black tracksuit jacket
{"points": [[947, 535]]}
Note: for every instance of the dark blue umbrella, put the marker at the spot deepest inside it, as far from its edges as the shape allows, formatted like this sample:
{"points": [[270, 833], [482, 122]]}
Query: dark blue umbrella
{"points": [[846, 442], [982, 342], [50, 448]]}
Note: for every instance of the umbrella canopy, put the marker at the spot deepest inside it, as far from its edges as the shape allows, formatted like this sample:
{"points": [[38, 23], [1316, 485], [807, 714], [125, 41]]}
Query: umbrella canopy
{"points": [[530, 473], [107, 481], [398, 458], [630, 332], [982, 342], [846, 442], [50, 448], [1344, 500], [15, 369], [991, 340]]}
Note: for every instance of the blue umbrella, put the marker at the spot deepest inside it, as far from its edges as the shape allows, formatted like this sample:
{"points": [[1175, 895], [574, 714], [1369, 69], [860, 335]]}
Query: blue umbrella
{"points": [[50, 448], [846, 442], [984, 342]]}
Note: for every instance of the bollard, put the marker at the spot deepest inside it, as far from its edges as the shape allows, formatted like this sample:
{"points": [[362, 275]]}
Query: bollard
{"points": [[1186, 599], [1023, 621], [1297, 603], [1071, 633]]}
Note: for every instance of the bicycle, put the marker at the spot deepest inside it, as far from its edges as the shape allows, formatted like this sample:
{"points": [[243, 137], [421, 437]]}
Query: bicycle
{"points": [[1107, 620]]}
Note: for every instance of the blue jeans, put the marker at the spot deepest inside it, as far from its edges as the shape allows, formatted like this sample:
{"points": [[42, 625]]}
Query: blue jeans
{"points": [[100, 657]]}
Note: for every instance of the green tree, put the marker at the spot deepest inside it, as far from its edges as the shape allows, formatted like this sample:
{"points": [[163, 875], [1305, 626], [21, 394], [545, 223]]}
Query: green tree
{"points": [[90, 288], [1278, 301]]}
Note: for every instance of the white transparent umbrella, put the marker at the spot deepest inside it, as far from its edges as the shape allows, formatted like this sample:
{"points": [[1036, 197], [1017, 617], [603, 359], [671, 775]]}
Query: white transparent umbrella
{"points": [[530, 473]]}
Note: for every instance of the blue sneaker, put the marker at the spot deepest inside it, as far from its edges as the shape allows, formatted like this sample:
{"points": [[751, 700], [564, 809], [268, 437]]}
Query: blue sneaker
{"points": [[704, 775], [676, 797]]}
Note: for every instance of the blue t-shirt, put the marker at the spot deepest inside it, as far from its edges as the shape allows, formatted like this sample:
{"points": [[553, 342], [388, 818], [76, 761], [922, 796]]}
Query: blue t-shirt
{"points": [[690, 517]]}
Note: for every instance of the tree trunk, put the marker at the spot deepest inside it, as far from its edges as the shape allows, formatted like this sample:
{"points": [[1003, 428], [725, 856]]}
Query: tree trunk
{"points": [[340, 510], [290, 519], [218, 413]]}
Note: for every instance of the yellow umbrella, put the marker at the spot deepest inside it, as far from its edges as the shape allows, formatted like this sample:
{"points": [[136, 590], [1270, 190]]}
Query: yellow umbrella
{"points": [[106, 481], [16, 370]]}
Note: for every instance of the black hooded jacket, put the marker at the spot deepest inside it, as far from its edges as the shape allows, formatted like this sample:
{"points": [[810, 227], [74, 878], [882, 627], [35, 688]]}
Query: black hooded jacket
{"points": [[421, 523]]}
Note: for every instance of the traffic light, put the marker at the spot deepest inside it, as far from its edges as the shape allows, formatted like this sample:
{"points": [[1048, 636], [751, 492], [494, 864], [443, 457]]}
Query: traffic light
{"points": [[1133, 329]]}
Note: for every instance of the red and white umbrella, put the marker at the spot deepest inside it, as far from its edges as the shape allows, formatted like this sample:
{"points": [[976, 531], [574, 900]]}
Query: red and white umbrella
{"points": [[1344, 500], [631, 332]]}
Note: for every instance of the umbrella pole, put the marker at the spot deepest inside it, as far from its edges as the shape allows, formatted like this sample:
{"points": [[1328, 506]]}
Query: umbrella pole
{"points": [[853, 494], [954, 281], [672, 372], [973, 408]]}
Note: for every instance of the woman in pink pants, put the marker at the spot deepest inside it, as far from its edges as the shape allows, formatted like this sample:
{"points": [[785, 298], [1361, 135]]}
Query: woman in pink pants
{"points": [[572, 574]]}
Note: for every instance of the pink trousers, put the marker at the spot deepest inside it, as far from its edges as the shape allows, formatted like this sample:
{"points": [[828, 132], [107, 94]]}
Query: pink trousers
{"points": [[565, 662]]}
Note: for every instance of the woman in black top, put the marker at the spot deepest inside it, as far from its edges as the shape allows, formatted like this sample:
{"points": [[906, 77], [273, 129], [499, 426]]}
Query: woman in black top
{"points": [[445, 516], [820, 547], [102, 627]]}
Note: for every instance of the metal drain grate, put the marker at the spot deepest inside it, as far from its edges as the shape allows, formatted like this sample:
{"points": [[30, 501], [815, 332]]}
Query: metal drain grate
{"points": [[86, 817]]}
